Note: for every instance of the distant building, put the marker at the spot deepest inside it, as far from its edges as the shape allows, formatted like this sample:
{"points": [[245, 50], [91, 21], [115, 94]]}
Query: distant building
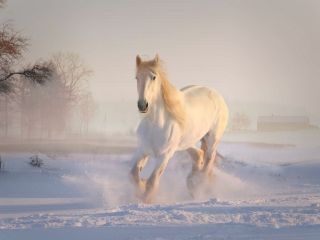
{"points": [[282, 123]]}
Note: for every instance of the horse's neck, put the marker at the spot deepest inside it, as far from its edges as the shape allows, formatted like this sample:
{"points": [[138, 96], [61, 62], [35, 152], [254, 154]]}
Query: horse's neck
{"points": [[160, 113]]}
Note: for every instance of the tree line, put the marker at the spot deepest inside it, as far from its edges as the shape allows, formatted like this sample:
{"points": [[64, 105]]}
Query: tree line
{"points": [[40, 100]]}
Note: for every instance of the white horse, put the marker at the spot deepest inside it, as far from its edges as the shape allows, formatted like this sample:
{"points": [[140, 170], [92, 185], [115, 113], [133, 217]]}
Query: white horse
{"points": [[174, 120]]}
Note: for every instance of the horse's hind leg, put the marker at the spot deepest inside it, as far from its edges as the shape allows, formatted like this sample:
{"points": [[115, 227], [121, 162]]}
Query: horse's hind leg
{"points": [[197, 156], [211, 142], [193, 179], [212, 139]]}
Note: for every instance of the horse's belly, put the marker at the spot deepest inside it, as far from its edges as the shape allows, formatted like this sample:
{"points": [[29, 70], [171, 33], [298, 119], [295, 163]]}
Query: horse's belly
{"points": [[202, 112], [187, 142], [197, 127], [191, 137]]}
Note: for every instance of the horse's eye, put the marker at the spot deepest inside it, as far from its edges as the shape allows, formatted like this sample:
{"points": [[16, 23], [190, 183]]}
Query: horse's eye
{"points": [[153, 77]]}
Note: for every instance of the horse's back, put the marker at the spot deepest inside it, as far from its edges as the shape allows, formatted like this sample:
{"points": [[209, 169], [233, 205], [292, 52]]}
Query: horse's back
{"points": [[207, 109], [204, 95], [188, 87]]}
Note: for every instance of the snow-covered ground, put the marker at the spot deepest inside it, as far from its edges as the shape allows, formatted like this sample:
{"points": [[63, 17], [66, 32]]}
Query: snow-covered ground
{"points": [[260, 191]]}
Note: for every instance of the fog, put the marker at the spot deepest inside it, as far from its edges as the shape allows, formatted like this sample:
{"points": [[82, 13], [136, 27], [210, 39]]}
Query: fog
{"points": [[68, 119], [263, 56]]}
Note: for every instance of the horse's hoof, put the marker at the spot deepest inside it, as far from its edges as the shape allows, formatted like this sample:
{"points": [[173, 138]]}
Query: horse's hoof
{"points": [[140, 189], [191, 191], [142, 185], [194, 181], [147, 199]]}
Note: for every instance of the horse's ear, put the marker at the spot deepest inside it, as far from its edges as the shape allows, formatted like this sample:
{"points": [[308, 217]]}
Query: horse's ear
{"points": [[138, 60], [157, 58]]}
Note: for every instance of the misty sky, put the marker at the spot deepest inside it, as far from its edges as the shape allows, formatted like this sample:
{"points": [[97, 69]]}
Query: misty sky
{"points": [[252, 51]]}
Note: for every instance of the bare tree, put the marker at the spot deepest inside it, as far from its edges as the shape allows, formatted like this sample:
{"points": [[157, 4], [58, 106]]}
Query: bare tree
{"points": [[46, 110], [87, 108], [43, 109], [12, 47], [74, 74], [37, 74], [2, 3]]}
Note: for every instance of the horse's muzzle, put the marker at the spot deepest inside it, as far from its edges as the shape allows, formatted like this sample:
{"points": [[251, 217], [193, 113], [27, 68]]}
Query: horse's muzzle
{"points": [[143, 106]]}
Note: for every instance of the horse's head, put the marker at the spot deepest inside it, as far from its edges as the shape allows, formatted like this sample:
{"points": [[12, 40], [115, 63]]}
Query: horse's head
{"points": [[148, 82]]}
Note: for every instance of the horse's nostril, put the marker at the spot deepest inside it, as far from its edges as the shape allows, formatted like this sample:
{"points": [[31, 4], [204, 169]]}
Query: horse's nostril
{"points": [[142, 105]]}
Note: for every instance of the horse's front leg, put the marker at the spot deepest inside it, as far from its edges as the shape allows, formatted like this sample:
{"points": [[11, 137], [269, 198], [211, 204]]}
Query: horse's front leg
{"points": [[152, 183], [140, 159]]}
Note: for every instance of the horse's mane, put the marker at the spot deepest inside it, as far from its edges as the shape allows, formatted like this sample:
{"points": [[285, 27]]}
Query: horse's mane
{"points": [[170, 94]]}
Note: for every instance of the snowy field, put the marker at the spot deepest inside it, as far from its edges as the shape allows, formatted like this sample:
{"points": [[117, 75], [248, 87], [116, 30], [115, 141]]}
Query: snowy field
{"points": [[260, 191]]}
